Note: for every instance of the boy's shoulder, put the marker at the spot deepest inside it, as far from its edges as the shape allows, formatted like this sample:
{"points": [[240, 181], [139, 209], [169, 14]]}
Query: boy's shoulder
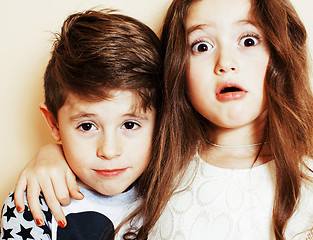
{"points": [[103, 214], [108, 205], [16, 225]]}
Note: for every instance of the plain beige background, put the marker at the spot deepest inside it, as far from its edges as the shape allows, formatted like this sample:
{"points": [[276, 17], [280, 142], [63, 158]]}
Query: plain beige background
{"points": [[25, 43]]}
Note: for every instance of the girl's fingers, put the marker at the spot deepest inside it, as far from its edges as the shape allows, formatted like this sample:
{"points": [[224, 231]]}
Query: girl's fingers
{"points": [[33, 193], [20, 188], [53, 203], [73, 186], [60, 189]]}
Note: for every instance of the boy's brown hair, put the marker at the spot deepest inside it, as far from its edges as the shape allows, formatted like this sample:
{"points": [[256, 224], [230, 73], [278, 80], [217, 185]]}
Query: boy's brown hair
{"points": [[99, 51]]}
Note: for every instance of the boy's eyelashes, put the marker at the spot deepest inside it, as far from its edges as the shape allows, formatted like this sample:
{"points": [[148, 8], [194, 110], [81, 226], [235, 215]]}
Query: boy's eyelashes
{"points": [[87, 126], [128, 125], [131, 125]]}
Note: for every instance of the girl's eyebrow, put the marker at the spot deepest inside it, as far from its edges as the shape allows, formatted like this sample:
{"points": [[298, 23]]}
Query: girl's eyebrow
{"points": [[197, 27], [207, 25], [247, 22]]}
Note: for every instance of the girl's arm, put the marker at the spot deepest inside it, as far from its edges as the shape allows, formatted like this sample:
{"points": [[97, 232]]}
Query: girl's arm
{"points": [[48, 173]]}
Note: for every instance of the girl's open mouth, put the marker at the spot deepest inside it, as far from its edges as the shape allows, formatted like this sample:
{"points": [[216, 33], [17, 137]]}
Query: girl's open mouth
{"points": [[228, 91]]}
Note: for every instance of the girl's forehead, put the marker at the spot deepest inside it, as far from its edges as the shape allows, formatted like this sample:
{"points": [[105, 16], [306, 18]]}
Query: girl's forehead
{"points": [[214, 12]]}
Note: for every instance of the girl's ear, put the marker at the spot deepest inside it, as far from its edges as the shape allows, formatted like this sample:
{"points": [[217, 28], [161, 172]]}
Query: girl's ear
{"points": [[51, 122]]}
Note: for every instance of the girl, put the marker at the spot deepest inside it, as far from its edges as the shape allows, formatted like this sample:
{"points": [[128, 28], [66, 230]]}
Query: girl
{"points": [[247, 114], [236, 143]]}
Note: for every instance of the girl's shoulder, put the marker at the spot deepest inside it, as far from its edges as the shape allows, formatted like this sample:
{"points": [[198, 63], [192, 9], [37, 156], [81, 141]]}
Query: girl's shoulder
{"points": [[302, 220]]}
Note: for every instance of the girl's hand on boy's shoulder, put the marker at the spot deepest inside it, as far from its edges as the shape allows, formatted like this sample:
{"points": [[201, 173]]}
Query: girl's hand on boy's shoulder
{"points": [[48, 173]]}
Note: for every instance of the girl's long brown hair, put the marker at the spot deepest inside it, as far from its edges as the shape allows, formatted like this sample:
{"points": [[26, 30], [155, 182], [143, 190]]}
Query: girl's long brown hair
{"points": [[289, 127], [289, 102]]}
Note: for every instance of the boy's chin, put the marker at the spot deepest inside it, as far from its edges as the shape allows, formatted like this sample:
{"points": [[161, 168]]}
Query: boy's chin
{"points": [[107, 192]]}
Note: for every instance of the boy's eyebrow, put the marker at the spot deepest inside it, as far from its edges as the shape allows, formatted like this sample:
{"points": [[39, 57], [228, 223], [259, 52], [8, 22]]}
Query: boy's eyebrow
{"points": [[136, 114], [133, 114], [82, 115]]}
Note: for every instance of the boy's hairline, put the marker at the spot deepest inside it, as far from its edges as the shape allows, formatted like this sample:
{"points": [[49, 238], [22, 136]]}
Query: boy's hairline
{"points": [[138, 106]]}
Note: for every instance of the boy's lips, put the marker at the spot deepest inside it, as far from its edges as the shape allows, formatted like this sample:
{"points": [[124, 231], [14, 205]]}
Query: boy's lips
{"points": [[110, 172], [228, 91]]}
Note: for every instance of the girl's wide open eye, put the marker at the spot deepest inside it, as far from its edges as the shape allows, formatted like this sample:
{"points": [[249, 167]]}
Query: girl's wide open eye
{"points": [[249, 41], [131, 125], [201, 47]]}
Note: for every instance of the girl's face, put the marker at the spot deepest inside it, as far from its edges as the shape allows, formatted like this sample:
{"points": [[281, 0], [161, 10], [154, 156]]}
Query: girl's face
{"points": [[228, 62]]}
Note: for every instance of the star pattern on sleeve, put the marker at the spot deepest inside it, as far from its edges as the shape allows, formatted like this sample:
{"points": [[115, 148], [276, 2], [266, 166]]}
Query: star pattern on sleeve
{"points": [[48, 215], [25, 233], [21, 226], [9, 213], [27, 214], [7, 234], [12, 196]]}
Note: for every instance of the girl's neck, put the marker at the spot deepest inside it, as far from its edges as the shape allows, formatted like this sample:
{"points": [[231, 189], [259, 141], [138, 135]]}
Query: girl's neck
{"points": [[236, 158], [236, 148]]}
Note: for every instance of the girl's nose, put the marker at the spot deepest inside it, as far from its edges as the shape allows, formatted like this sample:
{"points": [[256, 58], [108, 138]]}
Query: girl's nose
{"points": [[226, 62], [109, 147]]}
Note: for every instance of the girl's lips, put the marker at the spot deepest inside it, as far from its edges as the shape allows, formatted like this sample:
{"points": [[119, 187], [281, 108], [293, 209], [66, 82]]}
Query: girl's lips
{"points": [[228, 91], [108, 173]]}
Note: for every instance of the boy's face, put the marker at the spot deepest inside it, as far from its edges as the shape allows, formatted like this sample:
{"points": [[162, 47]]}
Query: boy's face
{"points": [[107, 144]]}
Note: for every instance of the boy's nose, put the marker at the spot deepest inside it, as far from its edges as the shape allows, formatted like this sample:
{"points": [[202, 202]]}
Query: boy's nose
{"points": [[109, 147]]}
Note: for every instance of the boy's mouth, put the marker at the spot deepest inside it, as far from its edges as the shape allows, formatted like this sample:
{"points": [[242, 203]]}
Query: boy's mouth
{"points": [[228, 91], [109, 173]]}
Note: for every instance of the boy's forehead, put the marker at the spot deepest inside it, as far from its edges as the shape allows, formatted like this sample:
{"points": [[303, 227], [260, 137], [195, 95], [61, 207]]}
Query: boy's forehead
{"points": [[128, 100]]}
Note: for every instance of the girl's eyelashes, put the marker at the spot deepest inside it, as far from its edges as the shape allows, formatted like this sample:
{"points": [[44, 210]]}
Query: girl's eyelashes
{"points": [[201, 46], [130, 125], [249, 40], [86, 127]]}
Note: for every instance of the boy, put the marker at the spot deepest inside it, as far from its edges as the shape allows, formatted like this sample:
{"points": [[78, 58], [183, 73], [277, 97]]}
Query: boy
{"points": [[101, 88]]}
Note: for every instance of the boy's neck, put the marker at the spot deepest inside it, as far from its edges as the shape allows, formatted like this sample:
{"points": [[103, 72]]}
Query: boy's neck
{"points": [[84, 185]]}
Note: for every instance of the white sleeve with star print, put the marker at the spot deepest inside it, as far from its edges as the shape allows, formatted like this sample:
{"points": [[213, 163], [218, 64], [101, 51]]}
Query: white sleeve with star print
{"points": [[21, 226]]}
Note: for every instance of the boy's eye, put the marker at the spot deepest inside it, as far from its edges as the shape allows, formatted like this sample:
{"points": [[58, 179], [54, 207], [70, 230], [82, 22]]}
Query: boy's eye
{"points": [[131, 125], [201, 47], [86, 126], [249, 41]]}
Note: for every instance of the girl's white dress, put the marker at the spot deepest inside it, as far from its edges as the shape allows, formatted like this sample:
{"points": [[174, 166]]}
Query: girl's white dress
{"points": [[218, 203]]}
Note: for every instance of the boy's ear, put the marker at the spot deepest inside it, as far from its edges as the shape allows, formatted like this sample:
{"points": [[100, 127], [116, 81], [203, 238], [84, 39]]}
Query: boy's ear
{"points": [[51, 122]]}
